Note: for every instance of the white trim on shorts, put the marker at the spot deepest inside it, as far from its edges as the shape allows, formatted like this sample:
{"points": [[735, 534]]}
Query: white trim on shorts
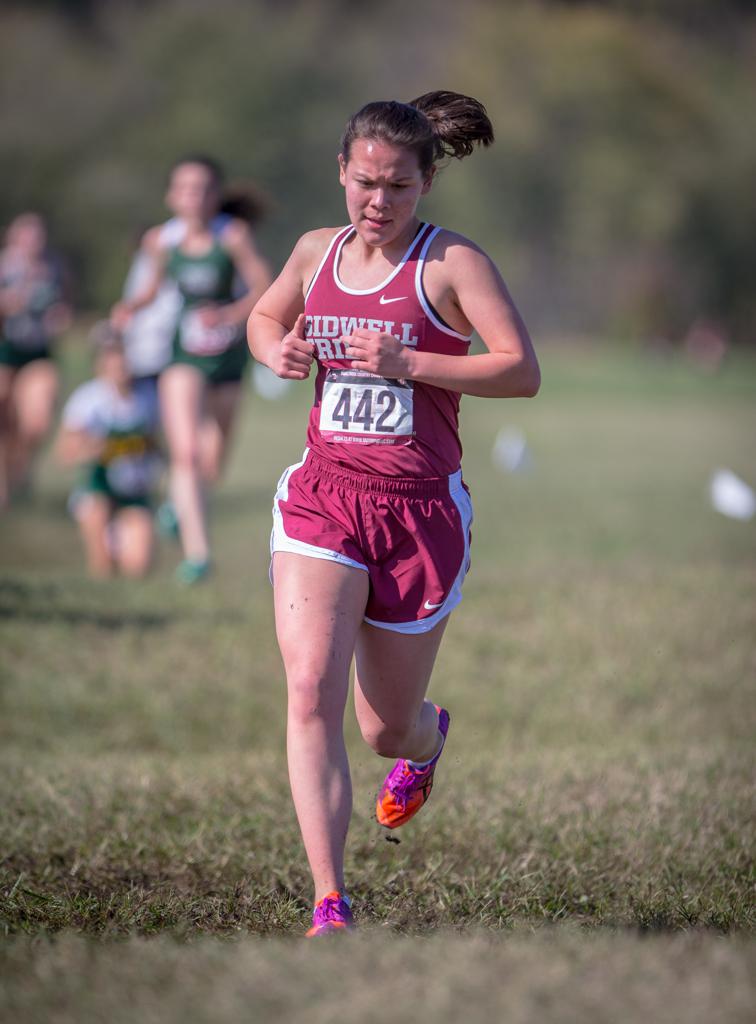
{"points": [[279, 541], [462, 500]]}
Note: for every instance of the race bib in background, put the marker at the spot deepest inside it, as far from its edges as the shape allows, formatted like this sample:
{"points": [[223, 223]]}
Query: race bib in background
{"points": [[131, 477], [198, 340]]}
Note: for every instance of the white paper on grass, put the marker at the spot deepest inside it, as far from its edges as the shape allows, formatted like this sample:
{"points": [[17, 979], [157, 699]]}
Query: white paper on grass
{"points": [[267, 384], [510, 451], [732, 496]]}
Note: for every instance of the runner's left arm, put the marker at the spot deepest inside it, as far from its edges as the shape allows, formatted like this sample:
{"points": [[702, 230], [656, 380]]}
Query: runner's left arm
{"points": [[475, 289]]}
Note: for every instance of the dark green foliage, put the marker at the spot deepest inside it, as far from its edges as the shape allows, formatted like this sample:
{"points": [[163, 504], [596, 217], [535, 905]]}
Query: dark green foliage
{"points": [[618, 195]]}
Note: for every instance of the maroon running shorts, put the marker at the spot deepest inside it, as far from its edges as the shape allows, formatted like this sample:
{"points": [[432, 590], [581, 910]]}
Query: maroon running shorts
{"points": [[412, 536]]}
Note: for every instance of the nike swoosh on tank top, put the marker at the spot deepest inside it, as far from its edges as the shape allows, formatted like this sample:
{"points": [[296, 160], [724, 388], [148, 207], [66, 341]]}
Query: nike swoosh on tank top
{"points": [[371, 424]]}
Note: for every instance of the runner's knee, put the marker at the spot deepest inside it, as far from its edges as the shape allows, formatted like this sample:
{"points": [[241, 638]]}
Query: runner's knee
{"points": [[185, 455], [34, 424], [310, 697]]}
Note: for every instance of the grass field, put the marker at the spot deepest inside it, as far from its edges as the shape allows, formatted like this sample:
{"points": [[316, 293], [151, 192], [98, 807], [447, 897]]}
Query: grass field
{"points": [[589, 849]]}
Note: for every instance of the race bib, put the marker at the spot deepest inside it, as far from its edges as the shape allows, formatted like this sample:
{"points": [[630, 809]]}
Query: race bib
{"points": [[360, 407], [198, 340], [131, 477]]}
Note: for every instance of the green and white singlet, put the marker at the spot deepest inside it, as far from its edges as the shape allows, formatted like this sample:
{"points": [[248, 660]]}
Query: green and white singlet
{"points": [[24, 335], [220, 353]]}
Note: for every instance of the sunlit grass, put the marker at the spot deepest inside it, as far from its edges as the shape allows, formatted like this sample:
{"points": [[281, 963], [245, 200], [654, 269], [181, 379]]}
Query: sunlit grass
{"points": [[598, 779]]}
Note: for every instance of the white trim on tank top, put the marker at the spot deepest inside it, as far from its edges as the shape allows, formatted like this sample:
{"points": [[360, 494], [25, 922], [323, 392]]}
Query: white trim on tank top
{"points": [[316, 275], [389, 279], [428, 309]]}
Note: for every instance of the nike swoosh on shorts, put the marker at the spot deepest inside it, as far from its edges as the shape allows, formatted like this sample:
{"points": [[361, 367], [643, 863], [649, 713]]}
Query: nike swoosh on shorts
{"points": [[430, 606]]}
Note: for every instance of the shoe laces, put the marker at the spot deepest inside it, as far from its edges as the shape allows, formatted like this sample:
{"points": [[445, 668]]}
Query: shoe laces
{"points": [[410, 781], [330, 908]]}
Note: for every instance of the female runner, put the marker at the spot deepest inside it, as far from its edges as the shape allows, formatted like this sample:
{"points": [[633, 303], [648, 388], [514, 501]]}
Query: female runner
{"points": [[109, 429], [371, 528], [33, 310], [200, 389]]}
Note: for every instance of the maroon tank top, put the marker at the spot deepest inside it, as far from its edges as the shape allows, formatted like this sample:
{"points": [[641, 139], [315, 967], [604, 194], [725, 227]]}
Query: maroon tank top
{"points": [[373, 424]]}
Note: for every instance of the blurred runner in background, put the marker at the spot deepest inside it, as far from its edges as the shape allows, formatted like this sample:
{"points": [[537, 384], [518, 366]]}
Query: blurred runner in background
{"points": [[109, 428], [34, 309], [206, 252], [148, 336]]}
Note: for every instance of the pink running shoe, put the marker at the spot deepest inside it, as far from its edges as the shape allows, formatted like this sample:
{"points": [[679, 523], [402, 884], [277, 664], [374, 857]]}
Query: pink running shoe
{"points": [[405, 789], [331, 914]]}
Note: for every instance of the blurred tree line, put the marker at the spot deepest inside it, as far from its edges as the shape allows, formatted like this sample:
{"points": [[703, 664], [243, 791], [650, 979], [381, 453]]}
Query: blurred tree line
{"points": [[619, 197]]}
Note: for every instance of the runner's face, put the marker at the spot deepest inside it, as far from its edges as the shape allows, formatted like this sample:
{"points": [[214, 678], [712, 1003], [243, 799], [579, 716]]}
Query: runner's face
{"points": [[193, 192], [112, 366], [383, 184], [27, 234]]}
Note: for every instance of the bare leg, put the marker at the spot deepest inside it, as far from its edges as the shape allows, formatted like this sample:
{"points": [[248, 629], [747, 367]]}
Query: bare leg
{"points": [[182, 391], [135, 538], [93, 515], [392, 677], [35, 390], [215, 433], [319, 607], [7, 375]]}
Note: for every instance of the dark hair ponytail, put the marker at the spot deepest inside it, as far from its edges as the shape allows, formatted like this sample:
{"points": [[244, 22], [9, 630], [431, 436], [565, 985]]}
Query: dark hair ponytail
{"points": [[245, 201], [240, 199], [459, 122], [435, 125]]}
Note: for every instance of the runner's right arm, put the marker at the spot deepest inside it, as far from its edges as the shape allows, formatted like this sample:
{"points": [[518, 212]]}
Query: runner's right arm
{"points": [[122, 311], [276, 326], [76, 446]]}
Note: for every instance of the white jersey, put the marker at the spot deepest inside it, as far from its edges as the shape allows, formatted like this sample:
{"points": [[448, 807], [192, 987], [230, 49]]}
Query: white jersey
{"points": [[98, 408], [127, 424], [149, 335], [148, 339]]}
